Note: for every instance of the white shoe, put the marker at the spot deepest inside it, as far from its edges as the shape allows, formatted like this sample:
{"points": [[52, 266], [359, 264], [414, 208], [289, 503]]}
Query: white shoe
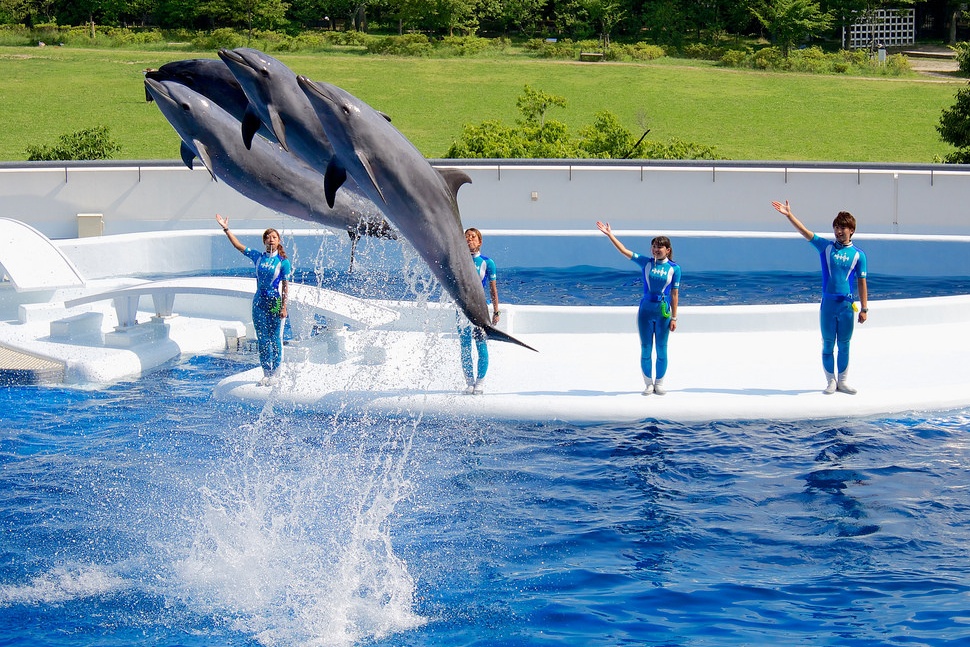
{"points": [[264, 381], [469, 389], [658, 388], [648, 389], [479, 387], [830, 384], [842, 386]]}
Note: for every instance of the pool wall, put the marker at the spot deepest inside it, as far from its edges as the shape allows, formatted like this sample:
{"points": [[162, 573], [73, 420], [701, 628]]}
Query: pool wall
{"points": [[534, 214]]}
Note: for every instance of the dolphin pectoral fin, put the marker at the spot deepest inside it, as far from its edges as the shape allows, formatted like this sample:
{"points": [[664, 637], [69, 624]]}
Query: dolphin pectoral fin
{"points": [[251, 124], [387, 117], [203, 154], [494, 333], [370, 173], [279, 129], [187, 155], [454, 178], [335, 176]]}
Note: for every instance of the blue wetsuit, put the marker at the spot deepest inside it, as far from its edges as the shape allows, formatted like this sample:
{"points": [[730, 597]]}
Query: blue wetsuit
{"points": [[658, 280], [842, 266], [271, 270], [486, 270]]}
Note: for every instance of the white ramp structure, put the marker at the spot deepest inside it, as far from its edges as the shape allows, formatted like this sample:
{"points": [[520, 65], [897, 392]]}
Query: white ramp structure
{"points": [[31, 261]]}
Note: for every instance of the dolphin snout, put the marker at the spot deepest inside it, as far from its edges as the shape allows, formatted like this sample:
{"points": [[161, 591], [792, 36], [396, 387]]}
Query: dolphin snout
{"points": [[228, 55]]}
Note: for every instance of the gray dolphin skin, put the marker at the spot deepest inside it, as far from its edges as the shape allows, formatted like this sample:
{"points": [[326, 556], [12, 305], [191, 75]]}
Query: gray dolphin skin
{"points": [[277, 103], [211, 78], [266, 173], [419, 200]]}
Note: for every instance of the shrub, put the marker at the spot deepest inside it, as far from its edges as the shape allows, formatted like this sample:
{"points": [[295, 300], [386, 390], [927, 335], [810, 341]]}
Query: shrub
{"points": [[464, 45], [406, 45], [963, 57], [769, 58], [736, 58], [218, 39], [89, 144]]}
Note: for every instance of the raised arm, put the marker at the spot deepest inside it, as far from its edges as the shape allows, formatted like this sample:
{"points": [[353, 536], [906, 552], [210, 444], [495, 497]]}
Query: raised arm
{"points": [[224, 223], [785, 210], [605, 228]]}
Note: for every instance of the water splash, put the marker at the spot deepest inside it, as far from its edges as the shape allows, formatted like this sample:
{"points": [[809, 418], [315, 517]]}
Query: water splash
{"points": [[62, 584], [294, 542]]}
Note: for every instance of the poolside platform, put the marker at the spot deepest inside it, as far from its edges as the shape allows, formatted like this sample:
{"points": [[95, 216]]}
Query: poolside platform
{"points": [[726, 363]]}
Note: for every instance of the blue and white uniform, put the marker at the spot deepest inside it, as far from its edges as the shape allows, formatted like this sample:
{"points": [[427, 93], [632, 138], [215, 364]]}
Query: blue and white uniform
{"points": [[271, 270], [659, 278], [466, 332], [842, 267]]}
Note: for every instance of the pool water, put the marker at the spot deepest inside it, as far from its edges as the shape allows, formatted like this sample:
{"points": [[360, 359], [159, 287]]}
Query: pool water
{"points": [[147, 513]]}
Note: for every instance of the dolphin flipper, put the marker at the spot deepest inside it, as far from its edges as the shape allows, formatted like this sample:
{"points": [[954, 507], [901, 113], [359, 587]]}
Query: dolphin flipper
{"points": [[279, 129], [203, 154], [187, 155], [335, 176], [251, 123], [370, 173], [494, 333]]}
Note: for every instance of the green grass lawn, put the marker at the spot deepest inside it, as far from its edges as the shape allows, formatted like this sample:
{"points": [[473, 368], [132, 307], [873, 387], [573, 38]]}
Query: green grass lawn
{"points": [[746, 115]]}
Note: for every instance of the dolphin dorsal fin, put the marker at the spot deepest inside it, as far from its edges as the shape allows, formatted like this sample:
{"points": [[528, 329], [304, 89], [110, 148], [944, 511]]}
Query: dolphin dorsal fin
{"points": [[203, 154], [335, 176], [454, 178], [187, 155], [365, 161], [251, 124]]}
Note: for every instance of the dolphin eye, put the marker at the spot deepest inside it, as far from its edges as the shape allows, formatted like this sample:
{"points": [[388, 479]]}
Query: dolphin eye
{"points": [[264, 72], [185, 106]]}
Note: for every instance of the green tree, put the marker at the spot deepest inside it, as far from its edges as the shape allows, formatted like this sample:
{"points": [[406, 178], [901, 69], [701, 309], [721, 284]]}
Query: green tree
{"points": [[606, 14], [792, 21], [954, 128]]}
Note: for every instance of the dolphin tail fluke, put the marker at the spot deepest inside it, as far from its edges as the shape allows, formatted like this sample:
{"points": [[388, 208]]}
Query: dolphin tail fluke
{"points": [[494, 333]]}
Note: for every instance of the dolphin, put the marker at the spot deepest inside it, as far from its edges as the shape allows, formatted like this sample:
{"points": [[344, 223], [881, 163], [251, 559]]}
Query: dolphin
{"points": [[275, 99], [266, 173], [420, 200], [211, 78]]}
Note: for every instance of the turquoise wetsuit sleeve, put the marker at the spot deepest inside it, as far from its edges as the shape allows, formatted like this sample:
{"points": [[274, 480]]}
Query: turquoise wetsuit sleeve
{"points": [[252, 254], [675, 284], [491, 273], [862, 268], [287, 270], [819, 243]]}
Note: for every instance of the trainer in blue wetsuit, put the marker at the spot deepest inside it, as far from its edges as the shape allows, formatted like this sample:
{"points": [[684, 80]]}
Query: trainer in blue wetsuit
{"points": [[475, 376], [657, 315], [843, 269], [273, 271]]}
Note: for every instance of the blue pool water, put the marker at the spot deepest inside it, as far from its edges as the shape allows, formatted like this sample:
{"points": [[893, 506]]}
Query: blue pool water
{"points": [[148, 514]]}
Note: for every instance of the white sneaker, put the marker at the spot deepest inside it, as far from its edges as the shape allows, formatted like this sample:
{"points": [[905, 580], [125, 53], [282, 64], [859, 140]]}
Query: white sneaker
{"points": [[658, 388], [479, 387], [264, 381], [830, 385], [469, 389], [648, 390]]}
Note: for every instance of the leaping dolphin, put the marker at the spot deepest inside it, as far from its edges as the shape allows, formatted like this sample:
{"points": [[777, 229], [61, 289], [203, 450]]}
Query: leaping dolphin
{"points": [[420, 200], [266, 173], [211, 78]]}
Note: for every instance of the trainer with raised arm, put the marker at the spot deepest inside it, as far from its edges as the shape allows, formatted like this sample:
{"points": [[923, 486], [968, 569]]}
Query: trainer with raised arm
{"points": [[843, 265], [657, 315], [273, 271]]}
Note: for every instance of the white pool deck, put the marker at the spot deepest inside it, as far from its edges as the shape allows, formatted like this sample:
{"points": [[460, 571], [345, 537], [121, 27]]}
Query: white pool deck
{"points": [[726, 362], [916, 359]]}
